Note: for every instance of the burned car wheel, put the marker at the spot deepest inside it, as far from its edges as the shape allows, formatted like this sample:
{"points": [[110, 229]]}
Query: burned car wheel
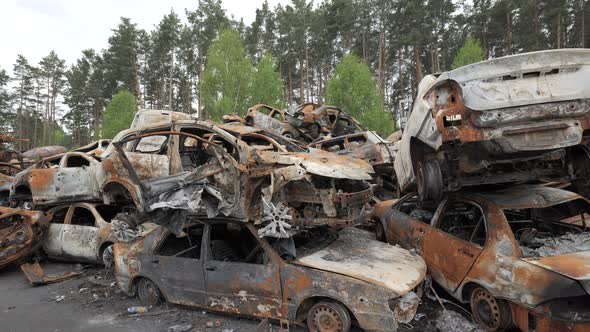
{"points": [[328, 317], [489, 312], [148, 292], [429, 180]]}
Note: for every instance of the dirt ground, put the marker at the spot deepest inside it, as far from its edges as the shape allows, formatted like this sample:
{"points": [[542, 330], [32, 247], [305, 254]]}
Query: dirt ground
{"points": [[92, 302]]}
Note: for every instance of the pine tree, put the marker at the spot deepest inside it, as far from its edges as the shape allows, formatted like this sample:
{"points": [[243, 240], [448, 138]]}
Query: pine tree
{"points": [[121, 58], [23, 91]]}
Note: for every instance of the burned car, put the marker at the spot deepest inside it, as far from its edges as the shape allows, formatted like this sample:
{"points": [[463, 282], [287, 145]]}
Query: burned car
{"points": [[514, 119], [81, 232], [307, 123], [370, 147], [518, 256], [318, 278], [21, 232], [65, 178], [94, 149], [7, 171], [200, 169]]}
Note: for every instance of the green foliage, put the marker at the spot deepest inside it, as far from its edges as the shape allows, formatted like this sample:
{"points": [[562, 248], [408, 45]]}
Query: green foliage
{"points": [[267, 85], [352, 88], [225, 84], [119, 113], [471, 52]]}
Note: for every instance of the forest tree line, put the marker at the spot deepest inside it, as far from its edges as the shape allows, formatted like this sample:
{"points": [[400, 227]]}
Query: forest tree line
{"points": [[400, 41]]}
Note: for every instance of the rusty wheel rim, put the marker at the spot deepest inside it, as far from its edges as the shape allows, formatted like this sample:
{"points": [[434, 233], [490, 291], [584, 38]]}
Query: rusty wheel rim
{"points": [[326, 319], [487, 310], [149, 292]]}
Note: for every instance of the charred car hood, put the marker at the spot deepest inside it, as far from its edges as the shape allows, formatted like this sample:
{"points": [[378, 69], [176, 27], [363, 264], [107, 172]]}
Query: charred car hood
{"points": [[357, 255], [573, 265], [322, 163], [524, 79]]}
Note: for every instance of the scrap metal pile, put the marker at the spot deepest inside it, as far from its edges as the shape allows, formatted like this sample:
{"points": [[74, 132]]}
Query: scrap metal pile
{"points": [[485, 187]]}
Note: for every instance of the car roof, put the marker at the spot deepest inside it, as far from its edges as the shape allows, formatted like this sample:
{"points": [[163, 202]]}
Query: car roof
{"points": [[528, 196]]}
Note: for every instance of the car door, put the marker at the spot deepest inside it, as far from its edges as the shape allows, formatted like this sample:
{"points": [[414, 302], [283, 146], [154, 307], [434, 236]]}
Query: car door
{"points": [[80, 235], [52, 242], [150, 156], [76, 178], [239, 276], [42, 179], [449, 247], [179, 264]]}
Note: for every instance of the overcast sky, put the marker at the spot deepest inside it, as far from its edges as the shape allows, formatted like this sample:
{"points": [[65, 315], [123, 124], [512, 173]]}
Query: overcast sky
{"points": [[35, 27]]}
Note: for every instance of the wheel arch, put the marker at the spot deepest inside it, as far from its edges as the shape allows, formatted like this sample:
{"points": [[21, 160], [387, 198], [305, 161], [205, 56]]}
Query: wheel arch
{"points": [[116, 188]]}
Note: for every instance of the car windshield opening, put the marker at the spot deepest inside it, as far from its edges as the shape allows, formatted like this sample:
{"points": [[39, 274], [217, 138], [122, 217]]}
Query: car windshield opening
{"points": [[550, 231]]}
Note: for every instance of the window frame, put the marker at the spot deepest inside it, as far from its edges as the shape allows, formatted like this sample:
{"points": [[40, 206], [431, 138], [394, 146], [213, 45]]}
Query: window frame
{"points": [[439, 216]]}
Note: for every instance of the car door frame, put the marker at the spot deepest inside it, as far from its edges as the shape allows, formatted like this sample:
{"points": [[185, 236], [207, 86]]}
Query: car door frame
{"points": [[93, 255], [224, 287], [173, 274], [441, 249], [92, 193], [53, 238]]}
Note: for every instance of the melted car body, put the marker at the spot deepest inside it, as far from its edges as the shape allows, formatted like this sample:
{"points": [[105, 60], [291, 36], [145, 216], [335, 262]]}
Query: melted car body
{"points": [[508, 120], [231, 269], [519, 254]]}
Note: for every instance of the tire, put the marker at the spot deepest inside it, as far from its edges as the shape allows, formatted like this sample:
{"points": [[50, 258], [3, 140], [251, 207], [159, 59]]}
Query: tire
{"points": [[327, 316], [490, 313], [108, 258], [380, 232], [148, 292], [429, 181]]}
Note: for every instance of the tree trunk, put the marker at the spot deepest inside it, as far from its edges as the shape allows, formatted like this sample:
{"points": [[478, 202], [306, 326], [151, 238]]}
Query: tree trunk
{"points": [[418, 64], [301, 92], [20, 118], [381, 69], [307, 87], [559, 30], [290, 86], [171, 87]]}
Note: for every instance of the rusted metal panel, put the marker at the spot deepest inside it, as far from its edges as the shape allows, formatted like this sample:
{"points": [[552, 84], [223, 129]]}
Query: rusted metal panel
{"points": [[36, 275], [43, 152]]}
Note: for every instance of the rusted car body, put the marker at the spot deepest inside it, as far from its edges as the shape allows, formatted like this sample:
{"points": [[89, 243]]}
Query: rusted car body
{"points": [[37, 154], [81, 232], [65, 178], [7, 171], [147, 117], [274, 120], [201, 169], [370, 147], [94, 149], [307, 123], [519, 256], [513, 119], [325, 282], [21, 232]]}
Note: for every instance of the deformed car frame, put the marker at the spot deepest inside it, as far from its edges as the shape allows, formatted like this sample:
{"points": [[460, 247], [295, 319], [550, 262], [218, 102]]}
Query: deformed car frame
{"points": [[329, 286], [514, 119], [478, 247], [201, 169]]}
